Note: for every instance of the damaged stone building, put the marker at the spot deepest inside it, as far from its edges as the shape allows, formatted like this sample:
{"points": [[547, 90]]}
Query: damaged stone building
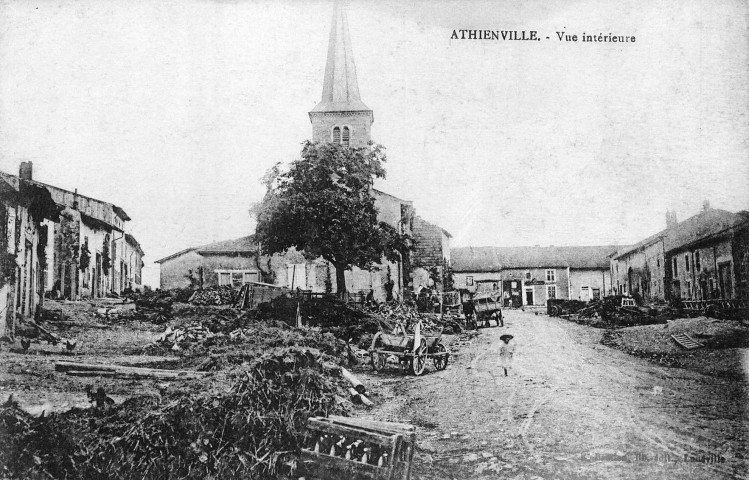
{"points": [[532, 275], [25, 209], [702, 258], [88, 252]]}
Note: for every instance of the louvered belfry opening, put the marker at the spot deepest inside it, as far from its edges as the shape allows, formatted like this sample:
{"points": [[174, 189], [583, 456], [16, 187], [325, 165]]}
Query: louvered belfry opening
{"points": [[336, 135], [345, 139]]}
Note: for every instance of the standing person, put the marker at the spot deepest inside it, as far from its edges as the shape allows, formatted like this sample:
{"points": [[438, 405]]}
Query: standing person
{"points": [[506, 352], [497, 316], [469, 311]]}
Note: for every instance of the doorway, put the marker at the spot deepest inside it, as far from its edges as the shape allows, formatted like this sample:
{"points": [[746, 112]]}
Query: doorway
{"points": [[529, 297], [724, 276]]}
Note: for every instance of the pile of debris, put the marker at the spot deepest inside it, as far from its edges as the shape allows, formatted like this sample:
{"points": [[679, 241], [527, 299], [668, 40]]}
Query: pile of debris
{"points": [[222, 295], [172, 338], [155, 307], [610, 312], [246, 431]]}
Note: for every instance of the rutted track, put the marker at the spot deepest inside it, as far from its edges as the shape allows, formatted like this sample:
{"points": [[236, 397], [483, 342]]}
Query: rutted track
{"points": [[575, 409]]}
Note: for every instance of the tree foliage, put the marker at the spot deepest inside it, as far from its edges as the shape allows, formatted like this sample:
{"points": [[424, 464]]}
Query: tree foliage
{"points": [[323, 206]]}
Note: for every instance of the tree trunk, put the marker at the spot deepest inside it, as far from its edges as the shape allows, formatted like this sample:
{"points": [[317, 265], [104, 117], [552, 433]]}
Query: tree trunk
{"points": [[340, 280]]}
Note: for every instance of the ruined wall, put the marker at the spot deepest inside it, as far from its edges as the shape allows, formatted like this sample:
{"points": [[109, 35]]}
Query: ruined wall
{"points": [[740, 247], [642, 273], [93, 281], [431, 245], [703, 283], [66, 248]]}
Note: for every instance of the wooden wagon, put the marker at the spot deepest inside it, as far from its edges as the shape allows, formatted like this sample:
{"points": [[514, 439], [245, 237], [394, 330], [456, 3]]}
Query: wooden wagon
{"points": [[413, 354], [487, 303]]}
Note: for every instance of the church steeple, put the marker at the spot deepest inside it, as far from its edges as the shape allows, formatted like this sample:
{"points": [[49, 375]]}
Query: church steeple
{"points": [[341, 116]]}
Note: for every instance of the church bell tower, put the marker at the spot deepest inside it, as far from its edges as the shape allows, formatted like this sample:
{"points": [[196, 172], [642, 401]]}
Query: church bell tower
{"points": [[341, 116]]}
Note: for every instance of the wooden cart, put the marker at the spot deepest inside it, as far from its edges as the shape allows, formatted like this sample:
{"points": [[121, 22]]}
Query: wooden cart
{"points": [[486, 303], [413, 356]]}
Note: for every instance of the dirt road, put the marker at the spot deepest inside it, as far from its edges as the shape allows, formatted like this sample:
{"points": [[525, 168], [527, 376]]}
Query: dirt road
{"points": [[570, 408]]}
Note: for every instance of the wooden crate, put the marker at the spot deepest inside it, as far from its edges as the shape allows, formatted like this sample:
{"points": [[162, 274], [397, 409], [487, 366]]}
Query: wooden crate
{"points": [[390, 447]]}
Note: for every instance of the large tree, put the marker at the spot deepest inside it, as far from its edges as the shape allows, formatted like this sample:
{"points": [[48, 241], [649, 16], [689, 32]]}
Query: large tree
{"points": [[324, 206]]}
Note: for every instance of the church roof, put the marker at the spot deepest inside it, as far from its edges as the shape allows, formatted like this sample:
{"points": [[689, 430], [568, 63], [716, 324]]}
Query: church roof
{"points": [[340, 92]]}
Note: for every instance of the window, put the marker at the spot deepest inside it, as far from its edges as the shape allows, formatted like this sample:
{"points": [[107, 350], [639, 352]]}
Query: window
{"points": [[551, 275], [345, 137], [236, 278], [469, 281], [596, 294], [697, 265], [527, 275], [514, 285], [658, 261], [686, 262], [689, 289], [551, 292], [676, 268], [336, 134]]}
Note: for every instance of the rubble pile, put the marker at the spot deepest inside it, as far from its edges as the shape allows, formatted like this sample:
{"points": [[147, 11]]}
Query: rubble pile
{"points": [[245, 431], [175, 338], [609, 313], [155, 307], [222, 295]]}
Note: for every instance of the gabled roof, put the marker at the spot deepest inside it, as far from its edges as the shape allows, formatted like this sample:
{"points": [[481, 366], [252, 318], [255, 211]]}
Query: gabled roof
{"points": [[383, 194], [705, 224], [340, 92], [433, 225], [239, 246], [132, 241], [66, 198], [640, 245], [493, 259]]}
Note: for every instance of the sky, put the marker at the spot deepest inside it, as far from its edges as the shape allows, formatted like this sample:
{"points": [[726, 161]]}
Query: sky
{"points": [[173, 110]]}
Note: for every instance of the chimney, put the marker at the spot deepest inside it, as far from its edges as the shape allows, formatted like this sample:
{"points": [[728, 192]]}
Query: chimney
{"points": [[671, 218], [24, 171], [705, 205]]}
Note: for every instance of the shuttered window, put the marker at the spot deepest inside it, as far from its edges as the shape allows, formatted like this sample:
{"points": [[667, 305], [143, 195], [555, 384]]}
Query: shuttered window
{"points": [[336, 135], [346, 135]]}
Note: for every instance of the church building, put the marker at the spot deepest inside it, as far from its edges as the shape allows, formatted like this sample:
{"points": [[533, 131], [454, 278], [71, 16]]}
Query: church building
{"points": [[340, 117]]}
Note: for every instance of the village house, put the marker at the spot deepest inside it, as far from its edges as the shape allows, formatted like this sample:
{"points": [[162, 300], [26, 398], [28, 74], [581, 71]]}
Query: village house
{"points": [[229, 262], [87, 253], [533, 275], [24, 210], [702, 258]]}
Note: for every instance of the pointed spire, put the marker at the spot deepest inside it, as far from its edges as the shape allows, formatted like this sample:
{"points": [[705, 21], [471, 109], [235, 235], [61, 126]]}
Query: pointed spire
{"points": [[340, 91]]}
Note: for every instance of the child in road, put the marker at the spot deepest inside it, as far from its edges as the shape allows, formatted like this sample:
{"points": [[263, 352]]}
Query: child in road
{"points": [[506, 352]]}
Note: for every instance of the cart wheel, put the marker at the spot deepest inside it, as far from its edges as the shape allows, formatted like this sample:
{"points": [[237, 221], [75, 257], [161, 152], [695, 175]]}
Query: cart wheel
{"points": [[440, 363], [419, 361], [378, 361]]}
